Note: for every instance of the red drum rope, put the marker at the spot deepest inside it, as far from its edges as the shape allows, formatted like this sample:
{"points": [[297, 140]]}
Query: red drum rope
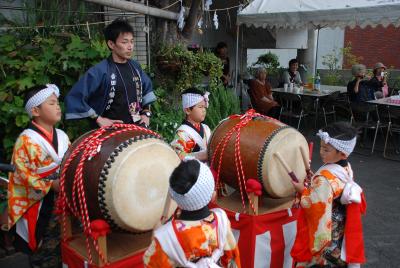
{"points": [[244, 120], [89, 147]]}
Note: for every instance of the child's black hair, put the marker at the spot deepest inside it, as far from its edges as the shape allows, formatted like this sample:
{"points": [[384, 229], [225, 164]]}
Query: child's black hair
{"points": [[32, 91], [184, 176], [115, 28], [341, 131], [193, 90]]}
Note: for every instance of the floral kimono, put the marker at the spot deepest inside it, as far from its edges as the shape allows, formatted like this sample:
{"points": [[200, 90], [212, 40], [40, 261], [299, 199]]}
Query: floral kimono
{"points": [[37, 155], [204, 243], [190, 139], [325, 223]]}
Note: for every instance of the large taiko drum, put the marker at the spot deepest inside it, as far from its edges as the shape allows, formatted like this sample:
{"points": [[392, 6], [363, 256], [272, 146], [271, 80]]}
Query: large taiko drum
{"points": [[126, 183], [260, 141]]}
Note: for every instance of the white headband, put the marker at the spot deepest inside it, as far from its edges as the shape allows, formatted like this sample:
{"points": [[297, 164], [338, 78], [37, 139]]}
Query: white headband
{"points": [[343, 146], [200, 194], [40, 97], [191, 99]]}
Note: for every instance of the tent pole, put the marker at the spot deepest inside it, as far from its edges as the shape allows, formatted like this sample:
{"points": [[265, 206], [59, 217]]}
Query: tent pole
{"points": [[316, 52], [237, 58]]}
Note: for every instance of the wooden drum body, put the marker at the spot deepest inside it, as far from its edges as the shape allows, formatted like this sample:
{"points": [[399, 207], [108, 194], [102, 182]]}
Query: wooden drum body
{"points": [[126, 183], [260, 139]]}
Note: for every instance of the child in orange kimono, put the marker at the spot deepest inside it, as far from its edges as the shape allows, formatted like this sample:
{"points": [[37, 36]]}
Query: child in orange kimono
{"points": [[199, 237], [329, 229], [192, 136], [37, 155]]}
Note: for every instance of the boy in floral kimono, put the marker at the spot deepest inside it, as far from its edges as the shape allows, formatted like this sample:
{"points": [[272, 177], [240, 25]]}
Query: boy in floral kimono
{"points": [[198, 237], [329, 229], [192, 136], [37, 155]]}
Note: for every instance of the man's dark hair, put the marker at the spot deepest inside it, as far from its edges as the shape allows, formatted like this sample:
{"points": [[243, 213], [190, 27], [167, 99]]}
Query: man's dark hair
{"points": [[115, 28], [293, 61], [341, 131], [221, 45], [32, 91], [184, 176]]}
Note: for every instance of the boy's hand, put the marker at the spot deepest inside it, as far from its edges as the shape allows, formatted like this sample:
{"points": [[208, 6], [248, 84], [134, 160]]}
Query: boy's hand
{"points": [[55, 185], [298, 186], [105, 122]]}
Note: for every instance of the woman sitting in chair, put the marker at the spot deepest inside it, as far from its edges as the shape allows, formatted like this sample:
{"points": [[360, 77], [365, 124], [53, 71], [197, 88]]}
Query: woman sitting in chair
{"points": [[261, 95], [359, 89]]}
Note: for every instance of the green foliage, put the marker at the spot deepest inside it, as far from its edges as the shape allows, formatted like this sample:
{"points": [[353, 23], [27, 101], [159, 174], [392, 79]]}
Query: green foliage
{"points": [[269, 61], [331, 61], [179, 68], [223, 103], [166, 118], [28, 62]]}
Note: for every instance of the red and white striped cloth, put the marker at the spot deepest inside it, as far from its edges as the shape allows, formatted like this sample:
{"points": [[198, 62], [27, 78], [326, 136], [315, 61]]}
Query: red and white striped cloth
{"points": [[265, 240]]}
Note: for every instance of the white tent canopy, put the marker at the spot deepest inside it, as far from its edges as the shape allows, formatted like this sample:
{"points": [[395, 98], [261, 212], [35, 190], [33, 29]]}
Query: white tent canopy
{"points": [[320, 13]]}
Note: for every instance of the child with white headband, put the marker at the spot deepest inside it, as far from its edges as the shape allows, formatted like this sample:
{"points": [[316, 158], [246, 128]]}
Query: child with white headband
{"points": [[192, 136], [329, 229], [32, 189], [198, 237]]}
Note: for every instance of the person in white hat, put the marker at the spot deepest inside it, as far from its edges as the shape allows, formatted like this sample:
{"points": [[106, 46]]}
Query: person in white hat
{"points": [[192, 136], [199, 236], [358, 89], [329, 228], [378, 83]]}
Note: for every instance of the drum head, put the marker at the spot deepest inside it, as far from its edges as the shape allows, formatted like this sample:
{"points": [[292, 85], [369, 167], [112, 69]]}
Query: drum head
{"points": [[288, 142], [137, 183]]}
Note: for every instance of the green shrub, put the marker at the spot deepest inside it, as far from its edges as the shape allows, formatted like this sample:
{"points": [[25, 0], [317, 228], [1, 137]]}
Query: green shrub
{"points": [[28, 62]]}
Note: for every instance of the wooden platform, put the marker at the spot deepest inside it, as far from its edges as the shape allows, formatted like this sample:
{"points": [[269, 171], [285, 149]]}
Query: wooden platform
{"points": [[119, 245], [233, 202]]}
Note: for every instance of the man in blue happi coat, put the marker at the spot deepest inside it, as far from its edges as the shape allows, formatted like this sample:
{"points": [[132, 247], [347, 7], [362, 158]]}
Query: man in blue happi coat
{"points": [[116, 90]]}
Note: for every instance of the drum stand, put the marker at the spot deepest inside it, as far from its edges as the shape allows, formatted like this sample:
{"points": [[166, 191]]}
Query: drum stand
{"points": [[117, 249]]}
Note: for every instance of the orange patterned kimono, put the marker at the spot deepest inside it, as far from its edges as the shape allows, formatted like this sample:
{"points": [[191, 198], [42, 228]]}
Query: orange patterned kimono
{"points": [[324, 223], [189, 139], [198, 239], [34, 158]]}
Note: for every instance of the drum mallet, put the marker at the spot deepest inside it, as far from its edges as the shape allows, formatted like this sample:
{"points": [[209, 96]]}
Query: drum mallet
{"points": [[306, 160], [285, 165]]}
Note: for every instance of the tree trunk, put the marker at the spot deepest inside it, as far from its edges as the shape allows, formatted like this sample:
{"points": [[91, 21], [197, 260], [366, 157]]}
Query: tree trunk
{"points": [[191, 20]]}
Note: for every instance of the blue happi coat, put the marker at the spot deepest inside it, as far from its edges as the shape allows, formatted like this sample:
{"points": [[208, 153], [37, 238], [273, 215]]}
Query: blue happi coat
{"points": [[89, 96]]}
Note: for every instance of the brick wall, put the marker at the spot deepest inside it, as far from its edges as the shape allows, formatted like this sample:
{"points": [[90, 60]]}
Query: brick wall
{"points": [[375, 45]]}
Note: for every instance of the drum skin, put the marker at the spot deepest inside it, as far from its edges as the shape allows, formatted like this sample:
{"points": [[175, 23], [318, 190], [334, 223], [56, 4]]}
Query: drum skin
{"points": [[102, 171], [259, 140]]}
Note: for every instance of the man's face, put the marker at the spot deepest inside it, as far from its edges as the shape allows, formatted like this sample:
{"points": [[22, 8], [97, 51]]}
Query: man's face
{"points": [[122, 49]]}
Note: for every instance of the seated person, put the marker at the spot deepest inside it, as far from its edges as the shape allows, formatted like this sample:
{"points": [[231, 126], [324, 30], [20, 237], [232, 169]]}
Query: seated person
{"points": [[261, 95], [378, 82], [359, 90], [292, 75]]}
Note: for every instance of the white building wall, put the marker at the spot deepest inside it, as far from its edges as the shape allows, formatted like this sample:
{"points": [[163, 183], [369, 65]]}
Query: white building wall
{"points": [[329, 40]]}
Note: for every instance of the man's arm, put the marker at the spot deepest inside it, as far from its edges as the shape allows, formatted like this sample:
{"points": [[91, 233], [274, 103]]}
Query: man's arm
{"points": [[76, 101]]}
